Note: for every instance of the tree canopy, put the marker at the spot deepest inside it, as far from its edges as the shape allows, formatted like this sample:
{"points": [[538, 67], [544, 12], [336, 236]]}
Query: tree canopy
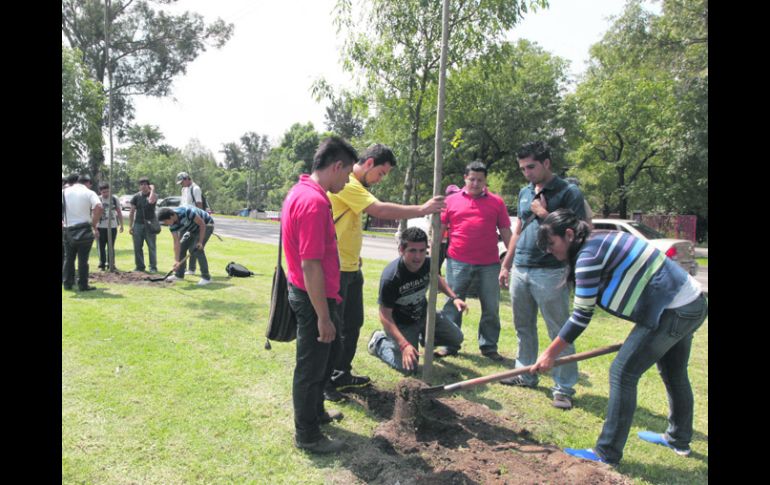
{"points": [[397, 49], [148, 49], [82, 102], [643, 112]]}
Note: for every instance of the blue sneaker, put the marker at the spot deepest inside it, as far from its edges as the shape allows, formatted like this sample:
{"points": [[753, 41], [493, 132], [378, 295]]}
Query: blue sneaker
{"points": [[586, 454], [659, 439]]}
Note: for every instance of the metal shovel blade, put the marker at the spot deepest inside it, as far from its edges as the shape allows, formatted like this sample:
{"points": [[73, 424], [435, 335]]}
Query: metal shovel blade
{"points": [[155, 279]]}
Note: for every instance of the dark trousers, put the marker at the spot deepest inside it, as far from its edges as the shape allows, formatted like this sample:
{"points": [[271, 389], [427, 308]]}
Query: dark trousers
{"points": [[200, 254], [352, 314], [80, 251], [313, 366], [103, 241]]}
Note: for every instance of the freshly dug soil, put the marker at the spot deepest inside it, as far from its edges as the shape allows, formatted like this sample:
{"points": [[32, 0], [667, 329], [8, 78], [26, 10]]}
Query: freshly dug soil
{"points": [[442, 440], [126, 277]]}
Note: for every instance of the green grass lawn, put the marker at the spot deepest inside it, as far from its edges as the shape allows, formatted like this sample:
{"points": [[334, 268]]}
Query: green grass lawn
{"points": [[172, 384]]}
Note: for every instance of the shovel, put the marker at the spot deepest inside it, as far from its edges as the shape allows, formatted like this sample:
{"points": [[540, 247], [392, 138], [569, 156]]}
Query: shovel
{"points": [[521, 370], [184, 238], [161, 278]]}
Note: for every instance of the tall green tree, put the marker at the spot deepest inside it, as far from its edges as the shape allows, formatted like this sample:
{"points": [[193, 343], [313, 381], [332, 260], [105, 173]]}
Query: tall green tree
{"points": [[247, 157], [284, 163], [681, 36], [82, 102], [345, 113], [642, 110], [500, 101], [234, 156], [397, 47], [148, 49]]}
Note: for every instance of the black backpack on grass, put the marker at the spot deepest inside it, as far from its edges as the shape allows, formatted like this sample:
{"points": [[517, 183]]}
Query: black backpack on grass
{"points": [[239, 270]]}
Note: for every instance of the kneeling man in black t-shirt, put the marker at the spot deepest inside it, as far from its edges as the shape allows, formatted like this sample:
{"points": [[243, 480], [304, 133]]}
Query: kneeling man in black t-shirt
{"points": [[403, 307]]}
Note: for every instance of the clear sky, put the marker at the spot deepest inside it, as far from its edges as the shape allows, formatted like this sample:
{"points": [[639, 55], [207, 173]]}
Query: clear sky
{"points": [[260, 80]]}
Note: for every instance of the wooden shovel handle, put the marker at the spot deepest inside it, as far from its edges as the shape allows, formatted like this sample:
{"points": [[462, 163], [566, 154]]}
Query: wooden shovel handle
{"points": [[522, 370]]}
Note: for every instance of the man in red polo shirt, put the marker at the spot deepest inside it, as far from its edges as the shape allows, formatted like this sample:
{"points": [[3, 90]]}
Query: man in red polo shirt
{"points": [[313, 273], [473, 218]]}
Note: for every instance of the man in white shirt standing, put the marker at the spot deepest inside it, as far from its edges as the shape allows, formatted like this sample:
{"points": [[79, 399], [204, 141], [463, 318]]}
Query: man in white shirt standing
{"points": [[191, 197], [81, 210]]}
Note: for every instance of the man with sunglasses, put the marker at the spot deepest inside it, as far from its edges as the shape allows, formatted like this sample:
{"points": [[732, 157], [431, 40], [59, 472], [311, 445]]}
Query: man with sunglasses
{"points": [[536, 280]]}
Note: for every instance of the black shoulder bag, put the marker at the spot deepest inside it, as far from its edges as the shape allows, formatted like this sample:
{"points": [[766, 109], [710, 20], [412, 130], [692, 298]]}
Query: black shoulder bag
{"points": [[282, 323]]}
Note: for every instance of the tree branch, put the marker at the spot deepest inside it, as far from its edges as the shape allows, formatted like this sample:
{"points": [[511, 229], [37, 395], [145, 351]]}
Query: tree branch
{"points": [[641, 166]]}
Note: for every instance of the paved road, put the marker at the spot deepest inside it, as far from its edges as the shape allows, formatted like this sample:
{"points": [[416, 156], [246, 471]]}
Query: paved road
{"points": [[373, 248]]}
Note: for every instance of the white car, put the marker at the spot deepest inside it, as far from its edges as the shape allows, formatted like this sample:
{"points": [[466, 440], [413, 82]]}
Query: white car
{"points": [[680, 250], [125, 202]]}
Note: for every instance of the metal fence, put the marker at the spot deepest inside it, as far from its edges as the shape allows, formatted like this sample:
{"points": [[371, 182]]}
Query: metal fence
{"points": [[677, 227]]}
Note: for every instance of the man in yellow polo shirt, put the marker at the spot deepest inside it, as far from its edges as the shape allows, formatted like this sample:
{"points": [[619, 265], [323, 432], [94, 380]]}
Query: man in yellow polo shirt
{"points": [[347, 206]]}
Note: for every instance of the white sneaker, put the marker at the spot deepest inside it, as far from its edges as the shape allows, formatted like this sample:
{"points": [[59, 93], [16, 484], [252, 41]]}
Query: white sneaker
{"points": [[203, 282], [189, 271], [371, 347], [173, 278]]}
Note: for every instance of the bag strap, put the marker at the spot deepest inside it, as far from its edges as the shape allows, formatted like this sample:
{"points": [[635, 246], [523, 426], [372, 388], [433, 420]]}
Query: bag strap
{"points": [[340, 216], [192, 196], [531, 216], [280, 241], [537, 195], [280, 235]]}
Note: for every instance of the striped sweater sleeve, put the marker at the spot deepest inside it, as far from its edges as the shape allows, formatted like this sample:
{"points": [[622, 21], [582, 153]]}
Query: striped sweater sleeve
{"points": [[591, 261]]}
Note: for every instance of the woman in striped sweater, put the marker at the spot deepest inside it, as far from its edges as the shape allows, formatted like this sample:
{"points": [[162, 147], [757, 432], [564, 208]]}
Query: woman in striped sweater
{"points": [[634, 281]]}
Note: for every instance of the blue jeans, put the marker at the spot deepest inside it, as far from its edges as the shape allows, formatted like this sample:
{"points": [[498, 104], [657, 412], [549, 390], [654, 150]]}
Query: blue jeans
{"points": [[446, 334], [313, 366], [539, 288], [141, 234], [668, 346], [459, 276]]}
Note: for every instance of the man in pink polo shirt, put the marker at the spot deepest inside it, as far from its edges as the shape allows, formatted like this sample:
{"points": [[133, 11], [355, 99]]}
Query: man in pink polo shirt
{"points": [[313, 273], [473, 218]]}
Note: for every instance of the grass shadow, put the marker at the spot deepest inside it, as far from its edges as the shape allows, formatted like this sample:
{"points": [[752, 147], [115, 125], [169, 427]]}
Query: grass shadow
{"points": [[646, 471], [98, 293], [212, 308], [370, 460]]}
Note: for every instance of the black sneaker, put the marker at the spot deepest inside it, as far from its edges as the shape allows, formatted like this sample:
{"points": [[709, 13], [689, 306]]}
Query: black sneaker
{"points": [[493, 355], [349, 381], [332, 394], [516, 381], [323, 445]]}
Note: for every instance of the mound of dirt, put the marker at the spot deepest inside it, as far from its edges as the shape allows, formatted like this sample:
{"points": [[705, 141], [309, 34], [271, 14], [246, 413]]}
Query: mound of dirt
{"points": [[126, 278], [442, 440]]}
